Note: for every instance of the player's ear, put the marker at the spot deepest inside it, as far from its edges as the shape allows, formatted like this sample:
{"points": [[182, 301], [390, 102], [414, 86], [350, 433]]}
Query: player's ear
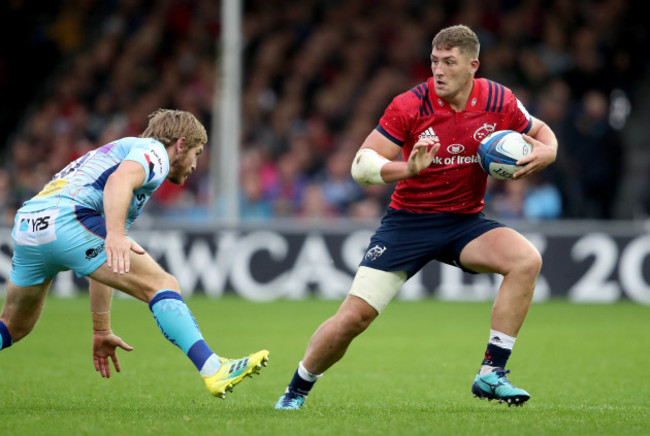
{"points": [[181, 144], [474, 65]]}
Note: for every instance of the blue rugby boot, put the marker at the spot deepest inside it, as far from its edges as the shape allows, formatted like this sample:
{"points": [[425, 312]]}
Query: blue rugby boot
{"points": [[290, 401], [495, 386]]}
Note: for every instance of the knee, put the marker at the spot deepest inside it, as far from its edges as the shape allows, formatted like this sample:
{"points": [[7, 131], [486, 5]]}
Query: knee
{"points": [[171, 283], [530, 263], [351, 324], [166, 282]]}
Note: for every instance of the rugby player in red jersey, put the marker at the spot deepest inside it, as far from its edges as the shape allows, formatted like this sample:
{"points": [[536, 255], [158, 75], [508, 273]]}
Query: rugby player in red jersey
{"points": [[435, 210]]}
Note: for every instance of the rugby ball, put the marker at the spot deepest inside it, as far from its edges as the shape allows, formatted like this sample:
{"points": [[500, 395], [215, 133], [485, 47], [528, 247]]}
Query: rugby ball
{"points": [[499, 152]]}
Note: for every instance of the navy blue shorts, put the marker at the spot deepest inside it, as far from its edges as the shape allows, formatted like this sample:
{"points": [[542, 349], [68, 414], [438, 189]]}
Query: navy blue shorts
{"points": [[406, 241]]}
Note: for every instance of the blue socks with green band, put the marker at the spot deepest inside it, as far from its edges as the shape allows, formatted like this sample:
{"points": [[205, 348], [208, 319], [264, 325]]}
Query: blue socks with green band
{"points": [[177, 323], [5, 337]]}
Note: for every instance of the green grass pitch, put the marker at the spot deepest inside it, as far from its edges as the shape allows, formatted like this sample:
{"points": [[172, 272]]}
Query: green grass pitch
{"points": [[585, 366]]}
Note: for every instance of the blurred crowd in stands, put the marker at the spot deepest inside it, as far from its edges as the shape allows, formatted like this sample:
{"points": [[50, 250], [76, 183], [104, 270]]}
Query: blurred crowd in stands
{"points": [[317, 76]]}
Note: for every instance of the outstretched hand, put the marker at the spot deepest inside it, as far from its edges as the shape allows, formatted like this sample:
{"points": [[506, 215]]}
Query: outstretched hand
{"points": [[422, 154], [104, 346]]}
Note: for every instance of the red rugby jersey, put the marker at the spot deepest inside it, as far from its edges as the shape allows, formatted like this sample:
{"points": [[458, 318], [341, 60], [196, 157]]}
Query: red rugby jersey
{"points": [[454, 182]]}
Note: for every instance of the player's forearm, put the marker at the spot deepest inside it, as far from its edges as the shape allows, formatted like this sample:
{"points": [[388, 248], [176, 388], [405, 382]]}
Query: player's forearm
{"points": [[381, 172], [546, 136], [396, 171], [420, 158], [371, 168]]}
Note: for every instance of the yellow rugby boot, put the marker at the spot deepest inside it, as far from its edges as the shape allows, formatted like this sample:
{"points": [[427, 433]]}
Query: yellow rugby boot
{"points": [[233, 371]]}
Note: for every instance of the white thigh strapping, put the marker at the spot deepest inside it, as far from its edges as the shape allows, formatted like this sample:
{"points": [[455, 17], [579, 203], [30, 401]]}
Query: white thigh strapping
{"points": [[377, 287]]}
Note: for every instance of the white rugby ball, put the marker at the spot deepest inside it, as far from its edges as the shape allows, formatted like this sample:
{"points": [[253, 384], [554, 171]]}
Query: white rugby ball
{"points": [[499, 152]]}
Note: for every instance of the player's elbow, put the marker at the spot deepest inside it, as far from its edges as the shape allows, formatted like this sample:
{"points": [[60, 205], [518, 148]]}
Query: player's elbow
{"points": [[366, 167], [359, 177]]}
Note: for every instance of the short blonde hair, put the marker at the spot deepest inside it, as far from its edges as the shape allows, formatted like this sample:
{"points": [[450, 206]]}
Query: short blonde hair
{"points": [[168, 125], [459, 36]]}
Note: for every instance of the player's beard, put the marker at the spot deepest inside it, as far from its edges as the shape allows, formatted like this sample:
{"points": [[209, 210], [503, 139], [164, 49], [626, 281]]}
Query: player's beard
{"points": [[177, 174], [451, 89], [446, 92]]}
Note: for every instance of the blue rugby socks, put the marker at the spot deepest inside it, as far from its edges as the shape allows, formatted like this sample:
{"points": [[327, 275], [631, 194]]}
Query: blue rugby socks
{"points": [[497, 353], [177, 323], [5, 337], [302, 381]]}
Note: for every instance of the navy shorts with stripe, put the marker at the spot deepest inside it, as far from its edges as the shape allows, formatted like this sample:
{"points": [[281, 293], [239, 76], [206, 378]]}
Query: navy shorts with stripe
{"points": [[406, 241]]}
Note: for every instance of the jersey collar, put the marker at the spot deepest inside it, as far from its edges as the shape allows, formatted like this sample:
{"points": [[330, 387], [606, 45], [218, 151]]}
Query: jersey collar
{"points": [[441, 103]]}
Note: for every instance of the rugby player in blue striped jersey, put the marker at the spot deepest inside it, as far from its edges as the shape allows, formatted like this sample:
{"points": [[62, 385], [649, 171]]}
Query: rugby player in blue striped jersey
{"points": [[80, 222]]}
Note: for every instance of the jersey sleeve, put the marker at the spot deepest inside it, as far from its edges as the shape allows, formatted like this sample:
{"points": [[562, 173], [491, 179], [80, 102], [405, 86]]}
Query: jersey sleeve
{"points": [[154, 159], [395, 121], [520, 119]]}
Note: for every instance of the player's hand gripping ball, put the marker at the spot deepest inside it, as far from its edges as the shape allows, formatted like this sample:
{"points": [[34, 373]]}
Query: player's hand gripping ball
{"points": [[499, 152]]}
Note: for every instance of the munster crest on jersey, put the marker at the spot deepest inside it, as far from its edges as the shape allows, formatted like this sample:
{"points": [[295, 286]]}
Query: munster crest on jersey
{"points": [[483, 131]]}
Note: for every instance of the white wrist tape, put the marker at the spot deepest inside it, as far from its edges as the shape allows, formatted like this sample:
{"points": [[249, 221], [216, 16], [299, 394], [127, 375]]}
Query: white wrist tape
{"points": [[366, 167]]}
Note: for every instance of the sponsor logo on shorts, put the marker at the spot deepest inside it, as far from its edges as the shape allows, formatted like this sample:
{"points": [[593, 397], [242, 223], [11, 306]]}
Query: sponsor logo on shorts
{"points": [[34, 224], [375, 252], [36, 228], [92, 253]]}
